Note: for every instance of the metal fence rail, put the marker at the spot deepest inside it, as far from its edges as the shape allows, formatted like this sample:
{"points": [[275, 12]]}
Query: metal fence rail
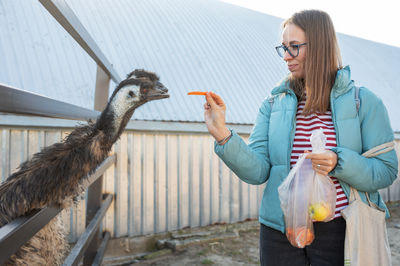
{"points": [[84, 241], [16, 233], [13, 100], [68, 20]]}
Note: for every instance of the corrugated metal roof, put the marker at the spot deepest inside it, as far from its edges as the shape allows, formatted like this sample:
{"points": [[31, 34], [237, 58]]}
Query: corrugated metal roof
{"points": [[191, 44], [39, 56]]}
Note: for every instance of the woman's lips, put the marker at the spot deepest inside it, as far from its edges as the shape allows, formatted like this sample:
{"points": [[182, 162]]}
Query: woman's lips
{"points": [[292, 67]]}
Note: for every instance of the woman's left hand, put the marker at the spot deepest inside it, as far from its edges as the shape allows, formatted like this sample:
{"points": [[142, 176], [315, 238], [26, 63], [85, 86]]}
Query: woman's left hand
{"points": [[324, 162]]}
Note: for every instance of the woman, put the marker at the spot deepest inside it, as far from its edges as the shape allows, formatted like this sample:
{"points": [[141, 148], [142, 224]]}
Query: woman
{"points": [[318, 93]]}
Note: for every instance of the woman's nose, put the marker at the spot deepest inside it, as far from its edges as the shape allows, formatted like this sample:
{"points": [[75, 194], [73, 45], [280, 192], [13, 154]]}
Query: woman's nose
{"points": [[287, 56]]}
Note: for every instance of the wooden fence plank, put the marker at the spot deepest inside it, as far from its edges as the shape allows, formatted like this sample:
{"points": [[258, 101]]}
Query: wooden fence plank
{"points": [[160, 161], [195, 183], [205, 191], [16, 151], [224, 193], [183, 180], [136, 181], [234, 196], [172, 182], [215, 186], [122, 186], [244, 200], [5, 154], [148, 185]]}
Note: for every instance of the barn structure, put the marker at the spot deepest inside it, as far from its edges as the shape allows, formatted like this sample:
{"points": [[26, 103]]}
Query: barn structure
{"points": [[166, 175]]}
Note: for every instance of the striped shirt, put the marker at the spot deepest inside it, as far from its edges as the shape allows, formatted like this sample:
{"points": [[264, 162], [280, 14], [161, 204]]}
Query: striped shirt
{"points": [[304, 127]]}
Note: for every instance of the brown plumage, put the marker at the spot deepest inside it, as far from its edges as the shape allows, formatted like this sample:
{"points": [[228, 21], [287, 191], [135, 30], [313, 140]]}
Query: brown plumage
{"points": [[54, 175]]}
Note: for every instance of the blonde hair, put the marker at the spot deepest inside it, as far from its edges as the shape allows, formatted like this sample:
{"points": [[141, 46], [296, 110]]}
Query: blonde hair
{"points": [[322, 59]]}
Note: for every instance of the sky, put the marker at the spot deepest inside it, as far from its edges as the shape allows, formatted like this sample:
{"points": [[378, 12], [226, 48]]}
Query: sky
{"points": [[376, 20]]}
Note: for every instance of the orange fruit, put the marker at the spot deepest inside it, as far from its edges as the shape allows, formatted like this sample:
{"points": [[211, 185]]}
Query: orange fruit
{"points": [[300, 236]]}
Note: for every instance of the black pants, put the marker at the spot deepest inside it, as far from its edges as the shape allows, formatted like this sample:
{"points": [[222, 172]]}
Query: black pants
{"points": [[326, 249]]}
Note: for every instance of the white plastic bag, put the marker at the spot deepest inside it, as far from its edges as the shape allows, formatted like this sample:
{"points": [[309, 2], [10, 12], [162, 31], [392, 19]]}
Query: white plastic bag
{"points": [[295, 199], [305, 196], [323, 202]]}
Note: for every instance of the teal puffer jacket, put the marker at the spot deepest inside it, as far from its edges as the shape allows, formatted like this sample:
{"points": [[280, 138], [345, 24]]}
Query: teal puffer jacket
{"points": [[267, 155]]}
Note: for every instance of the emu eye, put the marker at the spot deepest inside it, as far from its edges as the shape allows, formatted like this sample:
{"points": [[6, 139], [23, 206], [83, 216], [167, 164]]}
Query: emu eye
{"points": [[131, 94]]}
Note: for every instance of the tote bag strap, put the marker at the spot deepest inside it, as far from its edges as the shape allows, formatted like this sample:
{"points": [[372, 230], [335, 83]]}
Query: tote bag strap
{"points": [[355, 196], [385, 147]]}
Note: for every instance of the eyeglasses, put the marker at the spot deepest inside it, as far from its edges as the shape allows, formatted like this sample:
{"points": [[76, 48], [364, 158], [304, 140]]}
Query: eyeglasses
{"points": [[292, 49]]}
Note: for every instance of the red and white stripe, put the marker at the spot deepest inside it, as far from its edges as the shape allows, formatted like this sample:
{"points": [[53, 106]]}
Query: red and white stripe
{"points": [[304, 127]]}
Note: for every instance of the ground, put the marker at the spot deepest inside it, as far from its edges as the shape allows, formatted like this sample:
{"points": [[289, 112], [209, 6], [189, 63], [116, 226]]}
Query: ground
{"points": [[242, 249]]}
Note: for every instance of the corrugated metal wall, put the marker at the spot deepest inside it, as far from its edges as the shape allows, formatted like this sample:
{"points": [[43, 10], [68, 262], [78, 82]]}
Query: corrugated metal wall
{"points": [[162, 182]]}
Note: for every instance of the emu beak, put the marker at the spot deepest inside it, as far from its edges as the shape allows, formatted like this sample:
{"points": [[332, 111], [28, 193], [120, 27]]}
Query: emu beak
{"points": [[160, 92]]}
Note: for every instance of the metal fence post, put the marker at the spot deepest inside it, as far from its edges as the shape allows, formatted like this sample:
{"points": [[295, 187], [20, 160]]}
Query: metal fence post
{"points": [[95, 198]]}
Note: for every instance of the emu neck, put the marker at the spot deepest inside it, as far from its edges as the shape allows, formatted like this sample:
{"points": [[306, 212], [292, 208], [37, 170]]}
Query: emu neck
{"points": [[112, 122]]}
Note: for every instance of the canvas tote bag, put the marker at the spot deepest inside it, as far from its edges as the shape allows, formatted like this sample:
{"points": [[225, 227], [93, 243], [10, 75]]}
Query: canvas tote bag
{"points": [[366, 241]]}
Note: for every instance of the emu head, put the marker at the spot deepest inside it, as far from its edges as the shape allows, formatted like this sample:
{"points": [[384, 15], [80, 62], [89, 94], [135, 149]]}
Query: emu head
{"points": [[138, 88], [143, 86]]}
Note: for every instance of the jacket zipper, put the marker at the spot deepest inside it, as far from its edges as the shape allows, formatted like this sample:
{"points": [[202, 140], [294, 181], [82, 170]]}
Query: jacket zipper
{"points": [[345, 188]]}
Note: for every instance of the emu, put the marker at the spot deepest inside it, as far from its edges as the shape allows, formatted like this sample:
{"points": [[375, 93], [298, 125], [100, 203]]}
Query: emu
{"points": [[53, 177]]}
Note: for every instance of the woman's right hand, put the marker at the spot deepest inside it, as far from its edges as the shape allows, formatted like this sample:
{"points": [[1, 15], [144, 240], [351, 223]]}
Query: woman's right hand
{"points": [[214, 116]]}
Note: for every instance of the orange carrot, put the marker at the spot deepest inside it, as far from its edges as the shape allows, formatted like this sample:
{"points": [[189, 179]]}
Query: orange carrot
{"points": [[197, 93]]}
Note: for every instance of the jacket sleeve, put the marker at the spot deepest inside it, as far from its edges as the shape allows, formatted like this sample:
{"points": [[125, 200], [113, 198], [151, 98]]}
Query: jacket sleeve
{"points": [[249, 162], [369, 174]]}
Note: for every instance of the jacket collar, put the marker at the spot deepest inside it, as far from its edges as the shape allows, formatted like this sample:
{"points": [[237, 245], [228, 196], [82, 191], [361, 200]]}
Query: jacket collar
{"points": [[343, 83], [281, 87]]}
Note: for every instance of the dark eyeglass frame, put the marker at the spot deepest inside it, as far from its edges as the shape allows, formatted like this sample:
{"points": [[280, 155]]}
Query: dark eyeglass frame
{"points": [[286, 49]]}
